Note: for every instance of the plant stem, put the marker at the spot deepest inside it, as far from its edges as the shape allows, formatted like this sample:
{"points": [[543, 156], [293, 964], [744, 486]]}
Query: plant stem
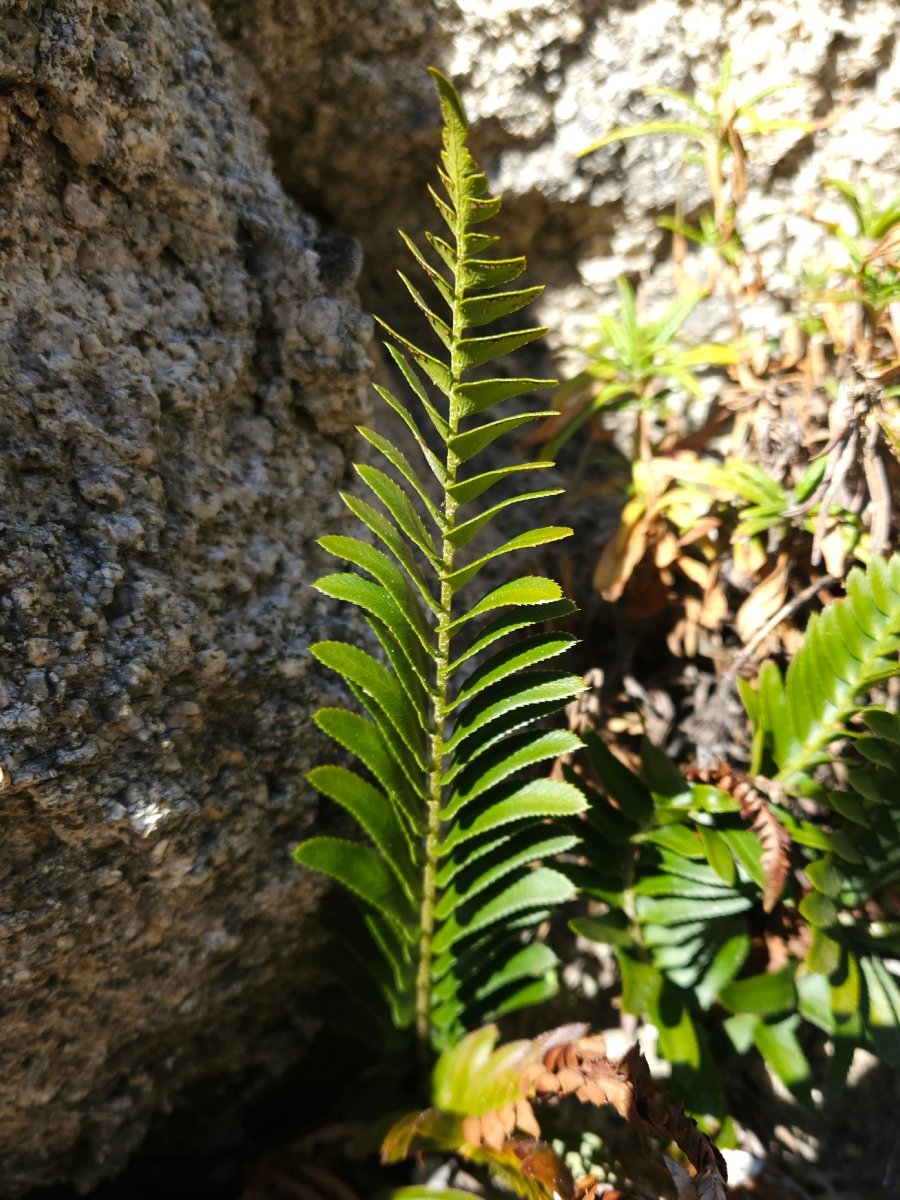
{"points": [[440, 699]]}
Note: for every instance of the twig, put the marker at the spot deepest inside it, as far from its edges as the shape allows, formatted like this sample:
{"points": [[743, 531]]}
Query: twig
{"points": [[786, 610]]}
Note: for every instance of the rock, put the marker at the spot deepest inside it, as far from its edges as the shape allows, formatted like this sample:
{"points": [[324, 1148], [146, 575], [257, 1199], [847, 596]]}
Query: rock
{"points": [[180, 374], [541, 80]]}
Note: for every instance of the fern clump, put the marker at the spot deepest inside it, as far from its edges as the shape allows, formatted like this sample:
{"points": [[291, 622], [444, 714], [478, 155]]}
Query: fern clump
{"points": [[740, 917], [454, 821]]}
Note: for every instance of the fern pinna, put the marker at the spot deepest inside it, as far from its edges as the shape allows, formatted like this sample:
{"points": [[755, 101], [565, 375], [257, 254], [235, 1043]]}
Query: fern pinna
{"points": [[455, 821]]}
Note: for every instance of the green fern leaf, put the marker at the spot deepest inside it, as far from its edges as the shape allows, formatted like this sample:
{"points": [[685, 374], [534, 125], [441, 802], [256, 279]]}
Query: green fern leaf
{"points": [[847, 649], [362, 872], [456, 826]]}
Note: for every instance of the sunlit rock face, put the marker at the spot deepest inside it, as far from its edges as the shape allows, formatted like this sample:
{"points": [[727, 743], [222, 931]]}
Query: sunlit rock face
{"points": [[541, 81]]}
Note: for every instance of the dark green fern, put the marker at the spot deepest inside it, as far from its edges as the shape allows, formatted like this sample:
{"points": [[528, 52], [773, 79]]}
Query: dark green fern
{"points": [[722, 897], [455, 823]]}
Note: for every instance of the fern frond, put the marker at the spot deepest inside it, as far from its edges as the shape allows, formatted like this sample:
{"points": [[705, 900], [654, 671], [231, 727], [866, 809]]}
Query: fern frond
{"points": [[456, 827], [847, 649]]}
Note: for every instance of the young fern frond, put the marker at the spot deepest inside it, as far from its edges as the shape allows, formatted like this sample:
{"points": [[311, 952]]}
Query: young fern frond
{"points": [[456, 824]]}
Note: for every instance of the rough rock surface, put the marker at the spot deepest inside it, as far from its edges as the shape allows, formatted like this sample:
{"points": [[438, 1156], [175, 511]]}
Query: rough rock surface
{"points": [[541, 80], [181, 357]]}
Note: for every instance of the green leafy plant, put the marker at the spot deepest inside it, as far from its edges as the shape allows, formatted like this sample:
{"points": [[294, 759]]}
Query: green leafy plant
{"points": [[715, 128], [455, 825], [741, 919], [871, 273], [632, 363], [692, 505]]}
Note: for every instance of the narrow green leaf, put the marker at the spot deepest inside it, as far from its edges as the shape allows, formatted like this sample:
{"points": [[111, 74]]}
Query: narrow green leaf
{"points": [[461, 882], [516, 753], [477, 273], [671, 910], [465, 490], [466, 445], [440, 327], [522, 541], [676, 838], [398, 504], [436, 371], [479, 310], [882, 1017], [483, 210], [825, 875], [482, 394], [415, 686], [379, 683], [380, 567], [399, 460], [522, 691], [689, 868], [364, 739], [535, 959], [361, 871], [528, 995], [718, 854], [463, 534], [609, 930], [443, 287], [453, 113], [765, 995], [814, 1001], [747, 851], [662, 777], [373, 598], [377, 816], [541, 887], [475, 957], [678, 1040], [776, 716], [510, 622], [444, 250], [884, 724], [528, 653], [415, 384], [527, 590], [676, 935], [446, 211], [388, 534], [674, 885], [780, 1048], [540, 798], [398, 953], [434, 464], [475, 352], [728, 960], [740, 1030], [475, 243], [629, 793], [641, 985]]}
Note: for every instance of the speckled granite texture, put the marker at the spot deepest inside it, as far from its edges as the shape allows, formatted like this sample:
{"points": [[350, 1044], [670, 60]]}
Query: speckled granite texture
{"points": [[181, 357]]}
